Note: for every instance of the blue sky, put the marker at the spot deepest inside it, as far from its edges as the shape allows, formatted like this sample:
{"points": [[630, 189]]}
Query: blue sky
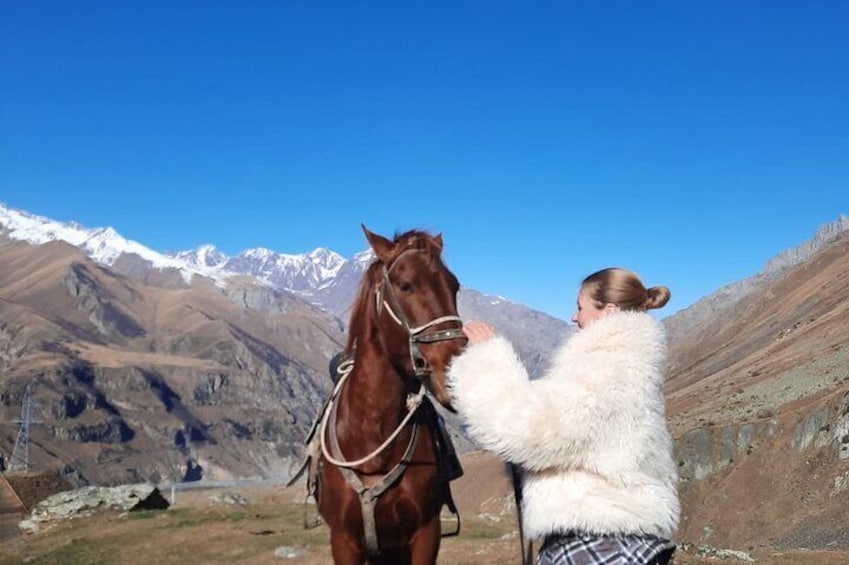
{"points": [[688, 141]]}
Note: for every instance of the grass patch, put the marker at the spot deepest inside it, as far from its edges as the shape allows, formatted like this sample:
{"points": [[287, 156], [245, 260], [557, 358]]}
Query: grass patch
{"points": [[75, 552], [191, 518], [144, 514]]}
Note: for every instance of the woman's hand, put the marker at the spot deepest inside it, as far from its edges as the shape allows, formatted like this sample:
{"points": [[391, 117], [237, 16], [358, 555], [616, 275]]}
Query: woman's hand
{"points": [[478, 332]]}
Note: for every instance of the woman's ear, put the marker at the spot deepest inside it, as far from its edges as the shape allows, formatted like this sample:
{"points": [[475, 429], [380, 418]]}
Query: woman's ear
{"points": [[610, 308]]}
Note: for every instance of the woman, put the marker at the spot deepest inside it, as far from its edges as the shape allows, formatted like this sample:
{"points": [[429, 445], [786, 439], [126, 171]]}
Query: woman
{"points": [[599, 480]]}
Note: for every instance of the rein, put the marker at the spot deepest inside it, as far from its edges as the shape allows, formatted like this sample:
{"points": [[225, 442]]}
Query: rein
{"points": [[414, 400]]}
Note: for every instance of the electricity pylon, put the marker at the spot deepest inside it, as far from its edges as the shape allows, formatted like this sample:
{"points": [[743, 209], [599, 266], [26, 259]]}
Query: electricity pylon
{"points": [[20, 455]]}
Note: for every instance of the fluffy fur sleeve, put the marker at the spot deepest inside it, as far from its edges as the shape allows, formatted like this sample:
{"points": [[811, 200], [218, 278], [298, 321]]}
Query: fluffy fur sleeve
{"points": [[521, 420]]}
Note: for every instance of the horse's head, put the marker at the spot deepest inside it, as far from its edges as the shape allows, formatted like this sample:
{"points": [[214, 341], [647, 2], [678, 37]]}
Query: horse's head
{"points": [[409, 300]]}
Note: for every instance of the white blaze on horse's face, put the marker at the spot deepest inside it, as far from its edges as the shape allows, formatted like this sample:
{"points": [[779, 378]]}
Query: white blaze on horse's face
{"points": [[417, 301]]}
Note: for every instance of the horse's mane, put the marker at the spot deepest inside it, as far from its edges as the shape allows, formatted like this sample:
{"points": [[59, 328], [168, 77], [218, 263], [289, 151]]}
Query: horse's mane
{"points": [[364, 302]]}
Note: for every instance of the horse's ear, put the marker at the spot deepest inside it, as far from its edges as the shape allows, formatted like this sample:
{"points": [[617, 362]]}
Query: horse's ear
{"points": [[437, 240], [379, 244]]}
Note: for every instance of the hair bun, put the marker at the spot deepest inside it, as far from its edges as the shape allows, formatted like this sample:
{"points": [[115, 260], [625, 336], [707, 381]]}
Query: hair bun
{"points": [[658, 297]]}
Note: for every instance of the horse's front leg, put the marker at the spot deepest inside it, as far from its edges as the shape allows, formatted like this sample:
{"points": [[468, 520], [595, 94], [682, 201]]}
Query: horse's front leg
{"points": [[424, 546], [346, 549]]}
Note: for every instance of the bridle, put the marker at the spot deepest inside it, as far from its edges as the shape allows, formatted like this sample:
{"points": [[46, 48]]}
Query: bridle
{"points": [[418, 334]]}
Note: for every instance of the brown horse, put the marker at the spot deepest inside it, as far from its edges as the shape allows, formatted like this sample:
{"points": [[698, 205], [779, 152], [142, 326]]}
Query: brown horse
{"points": [[403, 332]]}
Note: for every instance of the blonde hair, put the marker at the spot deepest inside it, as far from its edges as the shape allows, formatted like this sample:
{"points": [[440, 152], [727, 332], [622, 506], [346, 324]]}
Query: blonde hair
{"points": [[624, 289]]}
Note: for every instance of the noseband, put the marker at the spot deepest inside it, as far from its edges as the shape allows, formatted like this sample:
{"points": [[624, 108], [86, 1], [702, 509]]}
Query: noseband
{"points": [[419, 334]]}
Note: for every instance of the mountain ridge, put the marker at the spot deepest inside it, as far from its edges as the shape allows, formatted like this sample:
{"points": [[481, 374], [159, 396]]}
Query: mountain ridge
{"points": [[312, 274], [683, 321]]}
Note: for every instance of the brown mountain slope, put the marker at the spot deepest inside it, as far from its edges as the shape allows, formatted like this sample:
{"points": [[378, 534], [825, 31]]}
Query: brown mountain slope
{"points": [[757, 399], [140, 382], [801, 318]]}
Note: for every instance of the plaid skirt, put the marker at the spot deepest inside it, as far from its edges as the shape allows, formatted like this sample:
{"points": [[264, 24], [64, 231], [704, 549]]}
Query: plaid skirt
{"points": [[613, 549]]}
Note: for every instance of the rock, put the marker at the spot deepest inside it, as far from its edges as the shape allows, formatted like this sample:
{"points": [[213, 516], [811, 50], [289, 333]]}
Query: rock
{"points": [[715, 553], [808, 432], [289, 552], [840, 433], [112, 430], [841, 483], [28, 526], [705, 450], [693, 452], [87, 500]]}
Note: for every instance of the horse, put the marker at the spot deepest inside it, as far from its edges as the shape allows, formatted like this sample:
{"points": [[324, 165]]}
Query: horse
{"points": [[379, 487]]}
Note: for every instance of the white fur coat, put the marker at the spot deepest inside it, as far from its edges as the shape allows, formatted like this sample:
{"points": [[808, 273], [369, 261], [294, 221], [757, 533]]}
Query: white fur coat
{"points": [[591, 434]]}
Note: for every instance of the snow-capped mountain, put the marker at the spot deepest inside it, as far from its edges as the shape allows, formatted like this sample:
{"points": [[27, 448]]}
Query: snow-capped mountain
{"points": [[104, 245], [302, 273], [338, 294], [204, 257], [321, 277]]}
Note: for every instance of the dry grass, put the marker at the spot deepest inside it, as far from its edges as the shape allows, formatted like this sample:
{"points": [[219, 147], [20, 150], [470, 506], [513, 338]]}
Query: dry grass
{"points": [[196, 531]]}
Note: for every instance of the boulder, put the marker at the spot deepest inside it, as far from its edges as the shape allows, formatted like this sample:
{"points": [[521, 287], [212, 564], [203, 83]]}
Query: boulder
{"points": [[88, 500]]}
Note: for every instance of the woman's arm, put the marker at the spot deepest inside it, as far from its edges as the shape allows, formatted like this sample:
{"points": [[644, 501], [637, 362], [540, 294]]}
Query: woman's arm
{"points": [[538, 424]]}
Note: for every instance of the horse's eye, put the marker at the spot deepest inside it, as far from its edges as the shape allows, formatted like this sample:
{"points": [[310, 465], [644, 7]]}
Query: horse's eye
{"points": [[406, 287]]}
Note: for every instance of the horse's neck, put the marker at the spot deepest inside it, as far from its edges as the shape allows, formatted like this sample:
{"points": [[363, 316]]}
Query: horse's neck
{"points": [[375, 388], [373, 402]]}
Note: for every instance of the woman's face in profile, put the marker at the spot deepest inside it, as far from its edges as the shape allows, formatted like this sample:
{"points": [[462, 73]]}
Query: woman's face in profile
{"points": [[587, 312]]}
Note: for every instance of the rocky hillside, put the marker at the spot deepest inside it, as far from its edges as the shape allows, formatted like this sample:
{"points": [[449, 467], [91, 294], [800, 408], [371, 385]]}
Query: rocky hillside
{"points": [[155, 367], [758, 397], [139, 382]]}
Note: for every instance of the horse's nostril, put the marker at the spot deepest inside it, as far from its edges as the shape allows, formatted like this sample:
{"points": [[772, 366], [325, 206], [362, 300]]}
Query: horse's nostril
{"points": [[421, 363]]}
